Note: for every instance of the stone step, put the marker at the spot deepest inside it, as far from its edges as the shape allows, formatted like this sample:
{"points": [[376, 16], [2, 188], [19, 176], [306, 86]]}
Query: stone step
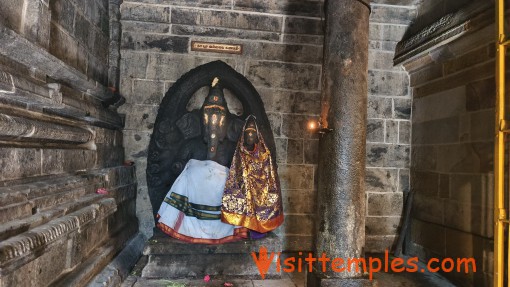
{"points": [[91, 266], [95, 262], [22, 200], [20, 249], [15, 227], [31, 199], [60, 222], [172, 259]]}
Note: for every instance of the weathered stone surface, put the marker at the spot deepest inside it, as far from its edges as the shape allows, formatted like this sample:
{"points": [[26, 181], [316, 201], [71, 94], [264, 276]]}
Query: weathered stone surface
{"points": [[147, 92], [169, 66], [15, 248], [281, 150], [63, 12], [63, 47], [470, 189], [382, 225], [284, 52], [427, 208], [379, 107], [381, 180], [428, 73], [224, 32], [36, 22], [302, 224], [275, 120], [294, 7], [425, 183], [299, 201], [284, 101], [464, 77], [133, 65], [482, 126], [296, 176], [303, 39], [466, 217], [145, 27], [298, 242], [11, 14], [145, 13], [49, 64], [393, 32], [165, 251], [469, 157], [375, 130], [84, 242], [380, 60], [388, 83], [28, 163], [284, 75], [296, 126], [444, 104], [79, 159], [436, 131], [385, 204], [295, 153], [391, 135], [137, 143], [430, 235], [15, 211], [142, 117], [297, 25], [120, 267], [154, 42], [376, 243], [384, 155], [404, 132], [14, 128], [311, 149], [226, 19], [480, 95], [424, 157], [402, 108], [468, 60], [54, 262], [393, 15]]}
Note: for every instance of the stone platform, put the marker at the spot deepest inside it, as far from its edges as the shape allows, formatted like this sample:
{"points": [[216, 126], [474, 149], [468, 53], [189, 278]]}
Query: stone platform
{"points": [[170, 258]]}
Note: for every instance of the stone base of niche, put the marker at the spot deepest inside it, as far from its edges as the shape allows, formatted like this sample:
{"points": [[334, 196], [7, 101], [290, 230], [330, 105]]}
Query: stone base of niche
{"points": [[169, 258]]}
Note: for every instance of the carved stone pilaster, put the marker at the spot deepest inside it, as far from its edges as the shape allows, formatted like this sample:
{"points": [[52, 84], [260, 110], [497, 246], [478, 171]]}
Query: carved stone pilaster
{"points": [[448, 28]]}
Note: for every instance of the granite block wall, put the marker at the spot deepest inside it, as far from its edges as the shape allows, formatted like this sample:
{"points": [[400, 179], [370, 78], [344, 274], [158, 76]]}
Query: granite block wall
{"points": [[282, 57], [388, 127], [452, 154], [60, 140]]}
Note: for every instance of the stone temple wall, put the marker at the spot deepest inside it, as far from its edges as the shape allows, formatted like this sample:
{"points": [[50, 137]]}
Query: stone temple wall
{"points": [[452, 154], [61, 140], [388, 125], [282, 57]]}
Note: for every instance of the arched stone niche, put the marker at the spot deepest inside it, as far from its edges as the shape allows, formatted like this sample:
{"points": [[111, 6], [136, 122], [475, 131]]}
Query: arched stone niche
{"points": [[186, 95]]}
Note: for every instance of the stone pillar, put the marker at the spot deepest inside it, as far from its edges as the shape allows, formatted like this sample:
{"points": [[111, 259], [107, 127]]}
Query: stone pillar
{"points": [[341, 195]]}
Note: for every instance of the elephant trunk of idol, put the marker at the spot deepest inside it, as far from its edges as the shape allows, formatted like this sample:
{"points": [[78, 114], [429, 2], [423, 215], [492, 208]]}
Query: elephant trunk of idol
{"points": [[212, 145]]}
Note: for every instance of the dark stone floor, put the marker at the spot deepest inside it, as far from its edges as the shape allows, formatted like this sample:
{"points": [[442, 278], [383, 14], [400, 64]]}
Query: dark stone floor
{"points": [[295, 279]]}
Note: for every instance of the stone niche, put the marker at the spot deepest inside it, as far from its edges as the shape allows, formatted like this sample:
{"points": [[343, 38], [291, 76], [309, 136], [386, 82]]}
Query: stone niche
{"points": [[185, 95], [165, 257]]}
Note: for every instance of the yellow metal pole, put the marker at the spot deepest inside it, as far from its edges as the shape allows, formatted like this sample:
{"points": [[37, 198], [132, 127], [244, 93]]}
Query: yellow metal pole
{"points": [[499, 150]]}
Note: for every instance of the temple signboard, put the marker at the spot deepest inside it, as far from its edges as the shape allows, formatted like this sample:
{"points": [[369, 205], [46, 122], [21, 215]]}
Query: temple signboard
{"points": [[216, 47]]}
